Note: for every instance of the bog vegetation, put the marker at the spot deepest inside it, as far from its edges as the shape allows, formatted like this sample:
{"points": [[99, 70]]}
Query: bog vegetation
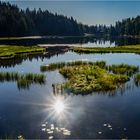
{"points": [[85, 77], [23, 80], [9, 51], [117, 49]]}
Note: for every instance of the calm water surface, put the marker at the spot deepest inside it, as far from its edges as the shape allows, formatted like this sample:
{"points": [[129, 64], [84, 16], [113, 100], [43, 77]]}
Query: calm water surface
{"points": [[78, 41], [30, 112]]}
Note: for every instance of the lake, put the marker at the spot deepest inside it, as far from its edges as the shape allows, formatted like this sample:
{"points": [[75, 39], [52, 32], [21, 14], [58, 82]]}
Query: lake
{"points": [[78, 41], [38, 112]]}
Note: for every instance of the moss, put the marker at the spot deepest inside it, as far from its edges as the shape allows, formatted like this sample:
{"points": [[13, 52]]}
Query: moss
{"points": [[91, 78], [9, 51], [117, 49], [84, 76]]}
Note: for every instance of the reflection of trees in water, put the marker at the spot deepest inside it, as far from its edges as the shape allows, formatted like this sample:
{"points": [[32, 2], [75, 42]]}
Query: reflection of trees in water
{"points": [[73, 40], [120, 41], [60, 40], [20, 59]]}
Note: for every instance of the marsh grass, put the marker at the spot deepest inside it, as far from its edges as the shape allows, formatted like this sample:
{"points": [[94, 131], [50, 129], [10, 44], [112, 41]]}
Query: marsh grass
{"points": [[85, 79], [60, 65], [86, 76], [117, 49], [10, 51], [137, 79], [123, 69], [23, 80], [116, 69]]}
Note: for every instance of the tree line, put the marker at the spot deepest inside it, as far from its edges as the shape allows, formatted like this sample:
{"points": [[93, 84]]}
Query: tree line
{"points": [[18, 22], [126, 27]]}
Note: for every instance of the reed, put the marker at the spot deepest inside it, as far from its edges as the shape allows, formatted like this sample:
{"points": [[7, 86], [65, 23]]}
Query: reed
{"points": [[59, 65], [123, 69], [23, 80], [137, 79], [118, 49]]}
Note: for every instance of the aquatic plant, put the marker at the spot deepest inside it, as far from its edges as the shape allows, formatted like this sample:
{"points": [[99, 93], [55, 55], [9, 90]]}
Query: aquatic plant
{"points": [[54, 66], [117, 49], [10, 51], [86, 76], [123, 69], [137, 79], [90, 78], [23, 80]]}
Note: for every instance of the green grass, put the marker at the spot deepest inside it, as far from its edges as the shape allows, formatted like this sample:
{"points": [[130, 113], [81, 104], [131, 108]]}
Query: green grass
{"points": [[54, 66], [23, 80], [20, 38], [123, 69], [88, 78], [137, 79], [85, 76], [117, 49], [116, 69], [8, 51]]}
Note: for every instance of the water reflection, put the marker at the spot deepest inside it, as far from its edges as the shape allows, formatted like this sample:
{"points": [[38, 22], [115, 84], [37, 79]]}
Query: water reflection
{"points": [[59, 90], [20, 59], [58, 107], [85, 41], [58, 112]]}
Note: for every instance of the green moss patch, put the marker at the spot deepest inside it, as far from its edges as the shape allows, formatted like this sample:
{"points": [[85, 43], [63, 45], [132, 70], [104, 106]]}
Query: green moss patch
{"points": [[91, 78], [117, 49], [9, 51]]}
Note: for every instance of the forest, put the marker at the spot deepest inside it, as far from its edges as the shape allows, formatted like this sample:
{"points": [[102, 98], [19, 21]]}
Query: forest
{"points": [[18, 22]]}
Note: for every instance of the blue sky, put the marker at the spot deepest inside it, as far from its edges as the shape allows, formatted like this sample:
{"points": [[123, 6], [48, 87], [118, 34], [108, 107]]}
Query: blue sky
{"points": [[87, 12]]}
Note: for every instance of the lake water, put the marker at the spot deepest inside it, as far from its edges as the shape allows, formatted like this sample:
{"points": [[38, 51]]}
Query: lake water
{"points": [[98, 115], [78, 41]]}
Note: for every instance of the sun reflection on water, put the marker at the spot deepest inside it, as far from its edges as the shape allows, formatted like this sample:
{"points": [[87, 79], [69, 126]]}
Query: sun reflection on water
{"points": [[58, 107]]}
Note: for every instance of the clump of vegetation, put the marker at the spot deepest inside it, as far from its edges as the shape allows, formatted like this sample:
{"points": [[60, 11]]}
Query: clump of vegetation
{"points": [[23, 80], [91, 78], [137, 79], [117, 49], [84, 76], [123, 69], [59, 65], [9, 51]]}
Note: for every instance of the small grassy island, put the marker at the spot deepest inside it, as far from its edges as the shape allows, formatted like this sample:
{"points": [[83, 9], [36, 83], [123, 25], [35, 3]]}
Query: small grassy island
{"points": [[117, 49], [23, 80], [85, 77], [91, 78], [10, 51]]}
